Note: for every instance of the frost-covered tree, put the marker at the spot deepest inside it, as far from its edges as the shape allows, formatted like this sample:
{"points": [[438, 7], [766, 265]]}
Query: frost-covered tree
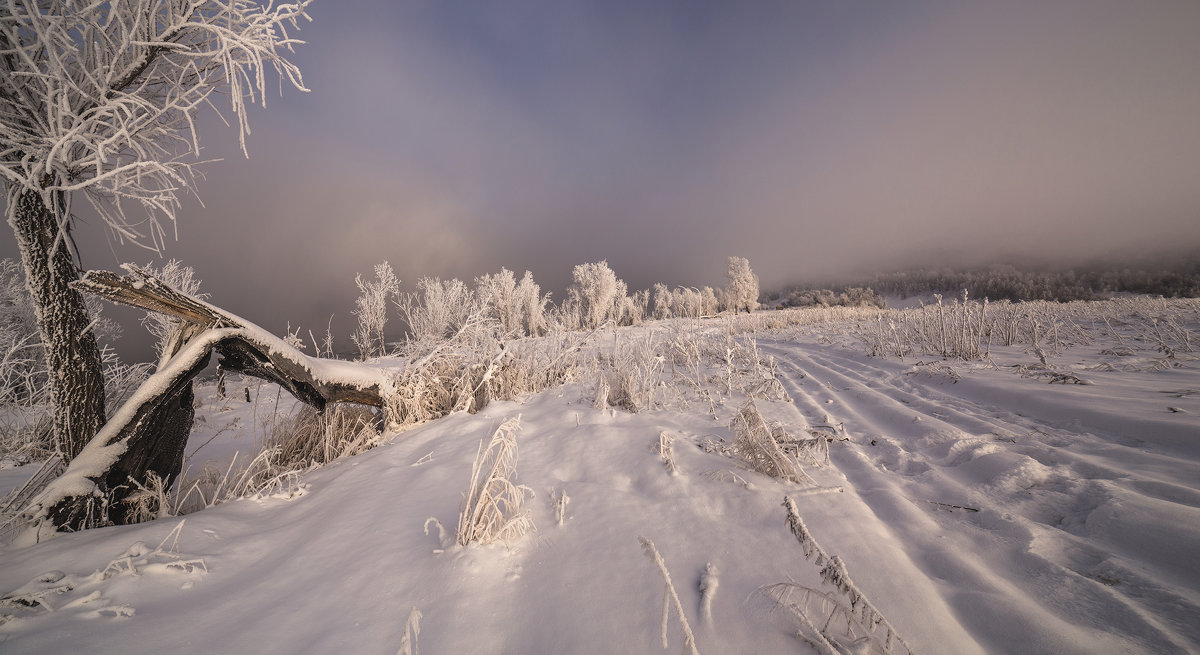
{"points": [[101, 98], [597, 293], [743, 286], [687, 303], [637, 307], [709, 301], [662, 300]]}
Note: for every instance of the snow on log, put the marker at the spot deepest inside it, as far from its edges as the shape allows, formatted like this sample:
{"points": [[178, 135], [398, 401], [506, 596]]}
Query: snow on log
{"points": [[146, 433], [251, 350]]}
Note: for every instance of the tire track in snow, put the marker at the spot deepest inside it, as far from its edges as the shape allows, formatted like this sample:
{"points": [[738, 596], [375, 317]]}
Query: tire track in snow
{"points": [[1102, 459], [1051, 579]]}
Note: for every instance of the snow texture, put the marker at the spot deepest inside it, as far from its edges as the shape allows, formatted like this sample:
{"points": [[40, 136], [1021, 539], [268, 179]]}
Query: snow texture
{"points": [[989, 512]]}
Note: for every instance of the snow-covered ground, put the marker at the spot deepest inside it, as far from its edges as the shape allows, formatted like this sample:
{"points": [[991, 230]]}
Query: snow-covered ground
{"points": [[978, 508]]}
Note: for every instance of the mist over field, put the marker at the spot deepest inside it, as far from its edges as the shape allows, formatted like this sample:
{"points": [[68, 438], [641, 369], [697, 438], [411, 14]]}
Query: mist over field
{"points": [[818, 141]]}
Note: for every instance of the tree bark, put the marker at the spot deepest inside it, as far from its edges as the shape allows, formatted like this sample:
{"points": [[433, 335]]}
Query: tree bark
{"points": [[72, 355]]}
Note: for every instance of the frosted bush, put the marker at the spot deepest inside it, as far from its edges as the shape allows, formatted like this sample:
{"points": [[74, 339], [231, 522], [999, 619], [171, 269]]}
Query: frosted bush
{"points": [[439, 310], [518, 308], [632, 374], [309, 438], [532, 305], [497, 297], [662, 301], [370, 308]]}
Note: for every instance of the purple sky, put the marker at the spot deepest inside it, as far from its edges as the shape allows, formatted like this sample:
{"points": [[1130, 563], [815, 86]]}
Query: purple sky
{"points": [[815, 138]]}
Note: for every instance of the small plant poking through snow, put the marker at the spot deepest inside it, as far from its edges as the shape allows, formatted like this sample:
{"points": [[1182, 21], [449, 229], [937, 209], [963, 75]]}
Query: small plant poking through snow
{"points": [[666, 450], [412, 629], [560, 505], [491, 509], [856, 628], [708, 589], [670, 598]]}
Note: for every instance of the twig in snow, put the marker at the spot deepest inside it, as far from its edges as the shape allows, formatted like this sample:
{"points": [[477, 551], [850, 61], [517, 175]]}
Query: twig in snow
{"points": [[670, 598]]}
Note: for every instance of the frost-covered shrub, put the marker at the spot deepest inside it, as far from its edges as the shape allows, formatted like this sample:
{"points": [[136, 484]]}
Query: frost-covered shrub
{"points": [[661, 295], [632, 374], [533, 305], [634, 307], [497, 297], [851, 297], [491, 509], [439, 309], [758, 444], [687, 303], [261, 477], [371, 310], [709, 303], [517, 307]]}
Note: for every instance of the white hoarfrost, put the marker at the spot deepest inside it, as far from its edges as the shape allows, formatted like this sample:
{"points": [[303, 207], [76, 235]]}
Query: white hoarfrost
{"points": [[116, 119]]}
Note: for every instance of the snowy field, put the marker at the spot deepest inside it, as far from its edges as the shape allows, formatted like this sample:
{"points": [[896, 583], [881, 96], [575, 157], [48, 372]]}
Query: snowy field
{"points": [[1044, 498]]}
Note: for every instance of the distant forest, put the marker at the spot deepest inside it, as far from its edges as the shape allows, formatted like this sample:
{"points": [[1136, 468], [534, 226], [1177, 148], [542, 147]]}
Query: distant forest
{"points": [[1002, 282]]}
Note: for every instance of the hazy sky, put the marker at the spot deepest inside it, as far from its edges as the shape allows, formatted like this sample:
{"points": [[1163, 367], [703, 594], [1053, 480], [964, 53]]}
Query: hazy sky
{"points": [[815, 138]]}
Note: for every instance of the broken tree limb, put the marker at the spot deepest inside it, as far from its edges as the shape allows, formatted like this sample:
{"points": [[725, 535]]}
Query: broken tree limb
{"points": [[252, 350], [144, 291], [149, 432]]}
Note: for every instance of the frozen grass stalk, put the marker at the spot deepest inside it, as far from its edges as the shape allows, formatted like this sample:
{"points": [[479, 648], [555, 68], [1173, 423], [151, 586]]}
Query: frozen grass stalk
{"points": [[670, 598], [491, 509], [861, 619]]}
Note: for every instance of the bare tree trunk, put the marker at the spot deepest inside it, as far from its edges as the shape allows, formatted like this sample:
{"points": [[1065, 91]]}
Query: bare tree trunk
{"points": [[72, 356]]}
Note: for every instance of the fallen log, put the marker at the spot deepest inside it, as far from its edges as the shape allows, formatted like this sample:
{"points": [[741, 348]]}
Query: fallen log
{"points": [[252, 350], [148, 433]]}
